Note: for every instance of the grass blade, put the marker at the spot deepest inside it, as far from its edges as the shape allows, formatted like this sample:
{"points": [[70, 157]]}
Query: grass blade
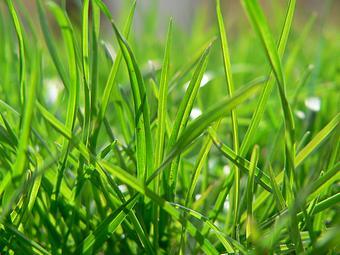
{"points": [[161, 124], [22, 60], [260, 108], [142, 118], [73, 96], [51, 45], [216, 112], [230, 85], [181, 121], [317, 140], [113, 72], [250, 193]]}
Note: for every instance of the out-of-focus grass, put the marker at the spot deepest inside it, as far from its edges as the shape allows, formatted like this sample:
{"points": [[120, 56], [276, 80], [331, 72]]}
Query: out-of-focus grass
{"points": [[214, 141]]}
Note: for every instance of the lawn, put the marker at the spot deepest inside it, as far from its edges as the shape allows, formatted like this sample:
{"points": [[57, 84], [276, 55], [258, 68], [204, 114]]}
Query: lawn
{"points": [[118, 136]]}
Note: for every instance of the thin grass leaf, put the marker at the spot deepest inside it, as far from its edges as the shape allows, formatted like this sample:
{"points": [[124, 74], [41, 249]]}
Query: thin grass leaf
{"points": [[66, 29], [51, 45], [114, 69], [260, 177], [161, 124], [22, 60], [86, 70], [181, 121], [21, 156], [250, 193], [317, 140], [183, 71], [142, 118], [280, 202], [214, 113], [261, 106], [234, 123]]}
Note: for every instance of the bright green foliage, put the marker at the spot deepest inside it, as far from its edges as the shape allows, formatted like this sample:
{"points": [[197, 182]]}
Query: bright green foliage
{"points": [[102, 149]]}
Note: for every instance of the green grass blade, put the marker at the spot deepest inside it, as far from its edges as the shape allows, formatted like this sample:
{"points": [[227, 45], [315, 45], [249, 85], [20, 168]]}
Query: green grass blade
{"points": [[142, 118], [22, 60], [250, 192], [280, 202], [51, 45], [66, 29], [234, 123], [181, 121], [86, 70], [162, 100], [161, 124], [260, 25], [317, 140], [113, 72], [261, 106], [21, 157], [260, 177], [216, 112]]}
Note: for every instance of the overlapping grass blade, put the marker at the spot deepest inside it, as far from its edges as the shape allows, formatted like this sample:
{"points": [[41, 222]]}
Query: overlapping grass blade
{"points": [[22, 59], [181, 121], [21, 157], [142, 118], [260, 177], [317, 140], [86, 70], [66, 29], [214, 113], [261, 27], [161, 123], [49, 40], [230, 85], [113, 71], [261, 106], [250, 192]]}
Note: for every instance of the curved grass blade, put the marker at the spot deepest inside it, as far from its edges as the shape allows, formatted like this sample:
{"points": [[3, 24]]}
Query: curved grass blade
{"points": [[181, 121], [310, 147], [260, 177], [113, 72], [200, 124], [51, 45], [21, 157], [86, 70], [235, 195], [250, 192], [142, 118], [280, 202], [22, 61], [261, 106], [66, 29], [261, 27], [161, 124], [317, 140]]}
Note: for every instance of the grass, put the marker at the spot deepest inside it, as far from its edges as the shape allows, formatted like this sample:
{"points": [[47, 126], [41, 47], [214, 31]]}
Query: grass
{"points": [[101, 150]]}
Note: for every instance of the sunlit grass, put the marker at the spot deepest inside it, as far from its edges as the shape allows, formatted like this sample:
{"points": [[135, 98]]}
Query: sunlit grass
{"points": [[213, 142]]}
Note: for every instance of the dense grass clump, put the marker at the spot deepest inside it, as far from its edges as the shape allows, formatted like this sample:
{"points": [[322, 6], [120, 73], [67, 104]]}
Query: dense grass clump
{"points": [[213, 142]]}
